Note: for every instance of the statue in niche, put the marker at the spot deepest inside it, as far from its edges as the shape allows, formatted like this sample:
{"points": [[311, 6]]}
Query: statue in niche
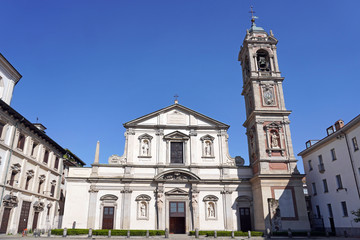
{"points": [[145, 148], [211, 210], [143, 209], [207, 148], [274, 140]]}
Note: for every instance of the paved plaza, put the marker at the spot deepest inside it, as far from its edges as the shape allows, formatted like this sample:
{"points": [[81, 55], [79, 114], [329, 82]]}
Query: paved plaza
{"points": [[172, 236]]}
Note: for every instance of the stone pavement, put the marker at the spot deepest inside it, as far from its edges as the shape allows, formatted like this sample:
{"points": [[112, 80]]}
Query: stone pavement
{"points": [[172, 236]]}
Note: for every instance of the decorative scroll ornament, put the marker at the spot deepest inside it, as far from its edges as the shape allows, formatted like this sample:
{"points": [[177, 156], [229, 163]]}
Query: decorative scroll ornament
{"points": [[116, 159], [268, 93], [126, 191], [109, 197], [16, 168], [93, 189], [30, 173], [39, 206], [42, 178], [176, 176], [210, 198], [143, 197], [10, 201], [226, 192]]}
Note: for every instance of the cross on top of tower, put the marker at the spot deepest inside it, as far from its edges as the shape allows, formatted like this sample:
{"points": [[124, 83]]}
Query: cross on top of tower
{"points": [[176, 99], [252, 15]]}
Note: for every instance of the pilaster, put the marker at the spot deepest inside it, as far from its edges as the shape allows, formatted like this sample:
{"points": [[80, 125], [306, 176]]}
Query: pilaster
{"points": [[92, 206], [126, 207]]}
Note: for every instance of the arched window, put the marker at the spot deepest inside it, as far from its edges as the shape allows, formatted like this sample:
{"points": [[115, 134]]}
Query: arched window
{"points": [[263, 60]]}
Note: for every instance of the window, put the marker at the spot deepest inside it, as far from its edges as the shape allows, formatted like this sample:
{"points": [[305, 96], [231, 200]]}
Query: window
{"points": [[21, 142], [52, 191], [2, 125], [355, 144], [12, 178], [41, 181], [263, 60], [27, 183], [325, 186], [56, 165], [34, 149], [330, 210], [29, 176], [48, 210], [339, 182], [310, 165], [333, 154], [314, 189], [318, 211], [344, 208], [177, 152], [39, 188], [321, 164], [15, 169], [46, 156]]}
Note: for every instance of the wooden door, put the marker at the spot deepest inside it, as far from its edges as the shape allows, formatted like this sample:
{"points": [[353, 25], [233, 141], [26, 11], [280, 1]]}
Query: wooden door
{"points": [[5, 220], [24, 216], [177, 217], [108, 218], [245, 219], [35, 221]]}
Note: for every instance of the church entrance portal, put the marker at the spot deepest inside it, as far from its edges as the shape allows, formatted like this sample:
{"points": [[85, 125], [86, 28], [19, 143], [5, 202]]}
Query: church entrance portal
{"points": [[108, 218], [245, 220], [177, 217]]}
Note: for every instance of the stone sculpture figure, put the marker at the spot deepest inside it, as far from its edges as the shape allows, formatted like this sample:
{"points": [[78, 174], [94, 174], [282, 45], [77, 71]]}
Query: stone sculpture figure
{"points": [[207, 148], [274, 140], [143, 209], [145, 148], [211, 210]]}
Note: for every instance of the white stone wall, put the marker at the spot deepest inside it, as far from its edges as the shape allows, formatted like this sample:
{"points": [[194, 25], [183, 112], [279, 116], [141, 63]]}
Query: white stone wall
{"points": [[341, 166]]}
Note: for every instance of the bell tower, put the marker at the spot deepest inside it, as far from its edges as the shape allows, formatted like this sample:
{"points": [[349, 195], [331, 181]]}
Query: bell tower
{"points": [[279, 201]]}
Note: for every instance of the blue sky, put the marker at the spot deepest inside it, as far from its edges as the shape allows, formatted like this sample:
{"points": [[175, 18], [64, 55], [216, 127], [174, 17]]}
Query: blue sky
{"points": [[90, 66]]}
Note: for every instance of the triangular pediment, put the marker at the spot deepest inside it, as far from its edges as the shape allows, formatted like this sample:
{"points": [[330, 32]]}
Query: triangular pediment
{"points": [[177, 191], [176, 136], [176, 115]]}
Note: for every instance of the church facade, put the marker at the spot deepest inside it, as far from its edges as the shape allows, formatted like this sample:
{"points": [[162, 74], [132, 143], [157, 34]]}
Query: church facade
{"points": [[176, 171]]}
